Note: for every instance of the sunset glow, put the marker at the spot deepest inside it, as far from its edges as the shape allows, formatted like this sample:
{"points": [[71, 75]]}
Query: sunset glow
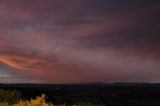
{"points": [[79, 41]]}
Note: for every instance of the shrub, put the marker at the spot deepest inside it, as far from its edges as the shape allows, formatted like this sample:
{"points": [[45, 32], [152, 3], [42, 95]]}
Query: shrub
{"points": [[12, 98], [9, 96], [39, 101]]}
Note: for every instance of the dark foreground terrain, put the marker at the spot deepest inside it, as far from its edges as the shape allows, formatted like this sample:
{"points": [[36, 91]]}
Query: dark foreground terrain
{"points": [[118, 94]]}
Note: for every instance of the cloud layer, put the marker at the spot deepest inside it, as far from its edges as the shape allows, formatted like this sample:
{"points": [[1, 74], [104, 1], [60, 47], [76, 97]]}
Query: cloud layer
{"points": [[68, 41]]}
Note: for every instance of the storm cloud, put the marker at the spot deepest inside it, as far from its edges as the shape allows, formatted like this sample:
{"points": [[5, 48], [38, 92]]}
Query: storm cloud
{"points": [[75, 41]]}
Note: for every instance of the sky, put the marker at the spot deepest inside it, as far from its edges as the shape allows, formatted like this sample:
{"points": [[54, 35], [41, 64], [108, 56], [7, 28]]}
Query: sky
{"points": [[79, 41]]}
